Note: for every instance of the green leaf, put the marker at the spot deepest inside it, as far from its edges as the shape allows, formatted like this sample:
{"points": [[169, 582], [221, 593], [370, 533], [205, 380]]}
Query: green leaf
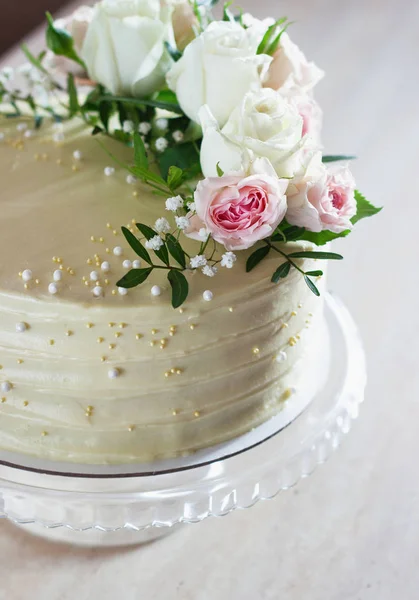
{"points": [[290, 233], [105, 111], [281, 272], [323, 237], [363, 208], [173, 52], [149, 233], [183, 156], [97, 130], [227, 14], [337, 157], [136, 245], [319, 255], [255, 258], [36, 62], [137, 102], [220, 172], [61, 43], [272, 36], [312, 287], [314, 273], [134, 278], [140, 153], [176, 250], [180, 287], [72, 95], [175, 178]]}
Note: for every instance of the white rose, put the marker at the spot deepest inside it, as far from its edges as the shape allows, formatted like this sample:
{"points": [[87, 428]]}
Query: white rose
{"points": [[124, 47], [217, 69], [264, 125]]}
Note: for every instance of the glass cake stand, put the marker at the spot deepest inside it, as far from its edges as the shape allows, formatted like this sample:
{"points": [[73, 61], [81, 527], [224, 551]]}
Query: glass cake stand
{"points": [[110, 506]]}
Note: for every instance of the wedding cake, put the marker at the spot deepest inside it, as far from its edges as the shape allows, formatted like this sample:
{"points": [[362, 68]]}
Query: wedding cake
{"points": [[161, 282]]}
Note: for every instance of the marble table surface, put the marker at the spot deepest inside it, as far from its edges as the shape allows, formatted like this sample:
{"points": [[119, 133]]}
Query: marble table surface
{"points": [[350, 531]]}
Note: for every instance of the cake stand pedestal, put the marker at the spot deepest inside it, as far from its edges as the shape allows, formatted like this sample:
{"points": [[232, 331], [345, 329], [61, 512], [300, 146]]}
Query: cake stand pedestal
{"points": [[133, 504]]}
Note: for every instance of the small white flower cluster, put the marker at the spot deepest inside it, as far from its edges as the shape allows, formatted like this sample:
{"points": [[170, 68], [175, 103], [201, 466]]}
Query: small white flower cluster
{"points": [[154, 243], [173, 204], [228, 259], [162, 225]]}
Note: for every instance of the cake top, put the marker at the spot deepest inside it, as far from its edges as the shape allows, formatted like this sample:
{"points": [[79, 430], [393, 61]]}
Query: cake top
{"points": [[205, 155]]}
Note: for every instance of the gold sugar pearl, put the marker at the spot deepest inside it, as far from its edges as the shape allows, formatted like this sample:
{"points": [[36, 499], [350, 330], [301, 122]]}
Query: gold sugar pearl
{"points": [[20, 273], [179, 371], [44, 433], [113, 292], [107, 250], [102, 358], [74, 168], [4, 400], [108, 225], [89, 325], [131, 428], [167, 374], [59, 260], [118, 334], [25, 403], [293, 314], [163, 341], [112, 346], [154, 331], [284, 325], [138, 336], [192, 326], [107, 282], [300, 305], [197, 413], [181, 310], [87, 283], [298, 337], [153, 343], [230, 309], [310, 314], [69, 333], [173, 370], [292, 341], [92, 238], [172, 329], [100, 340], [111, 324], [51, 342], [37, 281], [19, 361], [26, 286], [175, 413], [256, 351], [101, 240], [115, 232], [135, 193], [122, 325]]}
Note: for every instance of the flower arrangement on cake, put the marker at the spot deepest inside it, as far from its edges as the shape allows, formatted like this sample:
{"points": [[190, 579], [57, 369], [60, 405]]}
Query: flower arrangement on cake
{"points": [[223, 126]]}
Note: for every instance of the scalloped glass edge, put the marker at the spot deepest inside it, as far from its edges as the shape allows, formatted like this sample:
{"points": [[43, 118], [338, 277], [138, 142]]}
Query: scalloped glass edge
{"points": [[217, 489]]}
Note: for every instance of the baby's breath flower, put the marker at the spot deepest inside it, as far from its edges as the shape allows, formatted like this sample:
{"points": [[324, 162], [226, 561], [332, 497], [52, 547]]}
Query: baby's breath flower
{"points": [[191, 206], [128, 126], [162, 124], [182, 222], [161, 144], [144, 128], [198, 261], [155, 243], [178, 136], [174, 203], [162, 225], [209, 271], [228, 259]]}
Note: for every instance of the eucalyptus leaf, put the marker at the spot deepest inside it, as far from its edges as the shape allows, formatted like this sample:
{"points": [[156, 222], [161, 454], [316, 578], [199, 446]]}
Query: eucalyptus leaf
{"points": [[136, 245], [175, 178], [319, 255], [134, 277], [255, 258], [281, 272], [329, 158], [314, 273], [105, 111], [180, 287], [176, 250], [311, 286], [36, 62]]}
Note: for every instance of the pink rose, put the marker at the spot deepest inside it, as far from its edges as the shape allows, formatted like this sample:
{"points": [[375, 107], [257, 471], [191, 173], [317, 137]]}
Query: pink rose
{"points": [[290, 72], [324, 202], [311, 114], [240, 210]]}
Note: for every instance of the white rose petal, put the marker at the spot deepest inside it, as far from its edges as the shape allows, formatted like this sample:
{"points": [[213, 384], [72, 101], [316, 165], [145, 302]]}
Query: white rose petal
{"points": [[217, 69]]}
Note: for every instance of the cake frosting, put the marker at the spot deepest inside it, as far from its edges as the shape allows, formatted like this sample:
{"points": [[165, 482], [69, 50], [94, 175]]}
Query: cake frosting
{"points": [[120, 378]]}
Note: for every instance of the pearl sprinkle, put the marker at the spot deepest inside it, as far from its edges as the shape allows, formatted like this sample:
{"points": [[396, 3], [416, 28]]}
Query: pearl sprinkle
{"points": [[57, 275], [127, 264], [122, 291], [208, 295], [105, 266], [21, 327], [155, 290], [77, 155], [52, 288], [108, 171], [136, 264], [97, 291], [118, 251], [27, 275], [5, 387], [114, 373]]}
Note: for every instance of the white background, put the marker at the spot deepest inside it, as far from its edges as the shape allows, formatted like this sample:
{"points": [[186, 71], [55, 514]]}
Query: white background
{"points": [[351, 531]]}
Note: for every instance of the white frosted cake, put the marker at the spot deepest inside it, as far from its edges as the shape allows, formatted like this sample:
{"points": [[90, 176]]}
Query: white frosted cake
{"points": [[209, 344]]}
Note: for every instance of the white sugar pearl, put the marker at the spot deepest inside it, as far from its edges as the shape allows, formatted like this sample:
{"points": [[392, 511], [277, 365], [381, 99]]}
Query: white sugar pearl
{"points": [[105, 266], [97, 291], [57, 275], [22, 126], [136, 264], [130, 179], [27, 275], [155, 290], [122, 291], [58, 137], [109, 171], [21, 327], [208, 295], [94, 276], [28, 133], [6, 386], [114, 373], [118, 251], [127, 264], [292, 390], [77, 155], [281, 357], [52, 288]]}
